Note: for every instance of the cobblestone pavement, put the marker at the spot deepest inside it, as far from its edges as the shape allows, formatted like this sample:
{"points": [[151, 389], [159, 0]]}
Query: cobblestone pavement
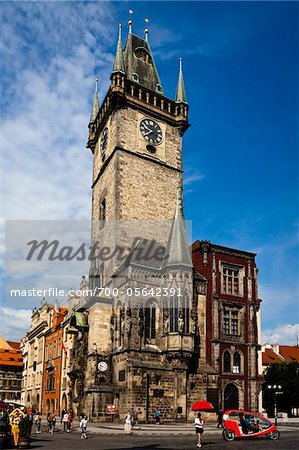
{"points": [[212, 440]]}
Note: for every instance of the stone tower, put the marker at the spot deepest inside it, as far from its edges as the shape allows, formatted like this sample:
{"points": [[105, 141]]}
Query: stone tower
{"points": [[141, 351]]}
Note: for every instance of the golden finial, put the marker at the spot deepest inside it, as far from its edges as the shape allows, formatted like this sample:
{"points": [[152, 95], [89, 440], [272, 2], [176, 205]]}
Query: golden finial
{"points": [[146, 30], [130, 21]]}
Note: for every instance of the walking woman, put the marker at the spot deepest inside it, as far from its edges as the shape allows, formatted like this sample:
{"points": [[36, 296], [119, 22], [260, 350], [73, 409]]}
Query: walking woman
{"points": [[15, 417], [69, 422], [199, 423], [83, 426], [38, 423]]}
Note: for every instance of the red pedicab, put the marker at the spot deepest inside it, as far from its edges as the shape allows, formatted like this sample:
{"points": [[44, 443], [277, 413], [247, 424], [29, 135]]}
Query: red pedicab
{"points": [[244, 424]]}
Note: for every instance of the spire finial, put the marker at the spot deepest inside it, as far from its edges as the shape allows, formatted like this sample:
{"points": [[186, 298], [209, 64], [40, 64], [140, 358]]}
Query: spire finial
{"points": [[118, 65], [180, 92], [130, 21], [95, 105], [146, 29]]}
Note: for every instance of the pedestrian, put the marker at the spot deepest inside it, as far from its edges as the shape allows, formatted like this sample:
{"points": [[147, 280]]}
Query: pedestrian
{"points": [[157, 417], [69, 422], [15, 418], [62, 414], [83, 426], [199, 423], [38, 421], [220, 419], [128, 423], [64, 421], [53, 424], [49, 422]]}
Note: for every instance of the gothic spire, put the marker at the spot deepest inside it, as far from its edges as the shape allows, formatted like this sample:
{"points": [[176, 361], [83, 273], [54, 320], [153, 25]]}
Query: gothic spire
{"points": [[95, 106], [180, 91], [178, 253], [119, 58]]}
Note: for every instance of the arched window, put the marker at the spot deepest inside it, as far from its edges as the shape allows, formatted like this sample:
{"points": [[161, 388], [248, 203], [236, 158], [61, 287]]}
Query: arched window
{"points": [[174, 315], [102, 215], [226, 362], [150, 320], [159, 88], [237, 363]]}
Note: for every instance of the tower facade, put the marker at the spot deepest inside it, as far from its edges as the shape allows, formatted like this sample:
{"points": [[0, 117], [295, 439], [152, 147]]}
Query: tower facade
{"points": [[142, 347]]}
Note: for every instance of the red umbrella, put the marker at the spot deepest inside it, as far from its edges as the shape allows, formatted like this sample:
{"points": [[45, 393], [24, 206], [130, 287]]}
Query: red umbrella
{"points": [[202, 405]]}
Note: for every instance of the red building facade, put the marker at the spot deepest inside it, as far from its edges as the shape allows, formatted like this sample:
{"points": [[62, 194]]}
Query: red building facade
{"points": [[232, 340], [53, 364]]}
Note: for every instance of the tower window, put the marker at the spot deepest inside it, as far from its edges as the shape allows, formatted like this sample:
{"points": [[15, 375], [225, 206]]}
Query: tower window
{"points": [[186, 313], [135, 77], [159, 88], [174, 315], [150, 321], [102, 215]]}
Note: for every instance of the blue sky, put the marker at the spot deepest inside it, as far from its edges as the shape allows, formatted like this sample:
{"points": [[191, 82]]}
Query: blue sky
{"points": [[240, 154]]}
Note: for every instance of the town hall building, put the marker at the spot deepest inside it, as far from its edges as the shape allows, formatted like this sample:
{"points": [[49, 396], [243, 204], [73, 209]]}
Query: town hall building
{"points": [[166, 324]]}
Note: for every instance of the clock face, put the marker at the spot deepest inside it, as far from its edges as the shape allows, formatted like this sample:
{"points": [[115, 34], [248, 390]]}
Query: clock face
{"points": [[102, 366], [151, 131], [104, 139]]}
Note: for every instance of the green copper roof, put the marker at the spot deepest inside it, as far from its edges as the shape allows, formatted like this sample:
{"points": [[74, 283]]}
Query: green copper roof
{"points": [[180, 91], [119, 58], [140, 65], [178, 253], [95, 106]]}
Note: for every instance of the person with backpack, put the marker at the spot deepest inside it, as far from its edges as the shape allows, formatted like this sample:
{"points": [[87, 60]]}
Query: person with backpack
{"points": [[199, 424]]}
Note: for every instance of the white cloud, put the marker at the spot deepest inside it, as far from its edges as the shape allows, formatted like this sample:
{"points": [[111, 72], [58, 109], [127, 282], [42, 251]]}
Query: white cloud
{"points": [[14, 323], [284, 334]]}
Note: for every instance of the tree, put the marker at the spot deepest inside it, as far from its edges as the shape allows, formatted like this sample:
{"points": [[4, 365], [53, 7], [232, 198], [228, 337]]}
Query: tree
{"points": [[287, 375]]}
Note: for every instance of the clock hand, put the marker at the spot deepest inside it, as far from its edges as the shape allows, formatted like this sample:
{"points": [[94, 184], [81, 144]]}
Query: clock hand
{"points": [[148, 132], [147, 127]]}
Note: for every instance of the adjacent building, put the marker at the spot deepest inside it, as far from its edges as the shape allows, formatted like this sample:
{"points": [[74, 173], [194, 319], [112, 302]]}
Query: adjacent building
{"points": [[52, 369], [10, 371], [233, 323]]}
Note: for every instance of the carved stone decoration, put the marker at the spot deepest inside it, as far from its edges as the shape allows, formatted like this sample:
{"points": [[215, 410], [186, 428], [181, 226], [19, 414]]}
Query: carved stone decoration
{"points": [[165, 323], [205, 248], [193, 324], [181, 324], [214, 274], [122, 321], [112, 326], [140, 323], [128, 323]]}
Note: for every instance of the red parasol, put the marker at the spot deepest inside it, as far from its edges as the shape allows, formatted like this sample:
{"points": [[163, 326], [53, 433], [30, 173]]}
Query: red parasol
{"points": [[202, 406]]}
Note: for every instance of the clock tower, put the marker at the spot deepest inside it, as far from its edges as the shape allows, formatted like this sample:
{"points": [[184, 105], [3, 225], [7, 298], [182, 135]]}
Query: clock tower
{"points": [[142, 354], [136, 139]]}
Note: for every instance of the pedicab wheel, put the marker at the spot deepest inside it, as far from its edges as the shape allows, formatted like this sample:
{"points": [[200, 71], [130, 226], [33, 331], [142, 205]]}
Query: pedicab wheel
{"points": [[275, 435], [228, 435]]}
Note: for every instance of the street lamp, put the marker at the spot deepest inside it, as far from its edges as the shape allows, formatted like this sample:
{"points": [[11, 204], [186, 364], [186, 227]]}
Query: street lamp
{"points": [[277, 391]]}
